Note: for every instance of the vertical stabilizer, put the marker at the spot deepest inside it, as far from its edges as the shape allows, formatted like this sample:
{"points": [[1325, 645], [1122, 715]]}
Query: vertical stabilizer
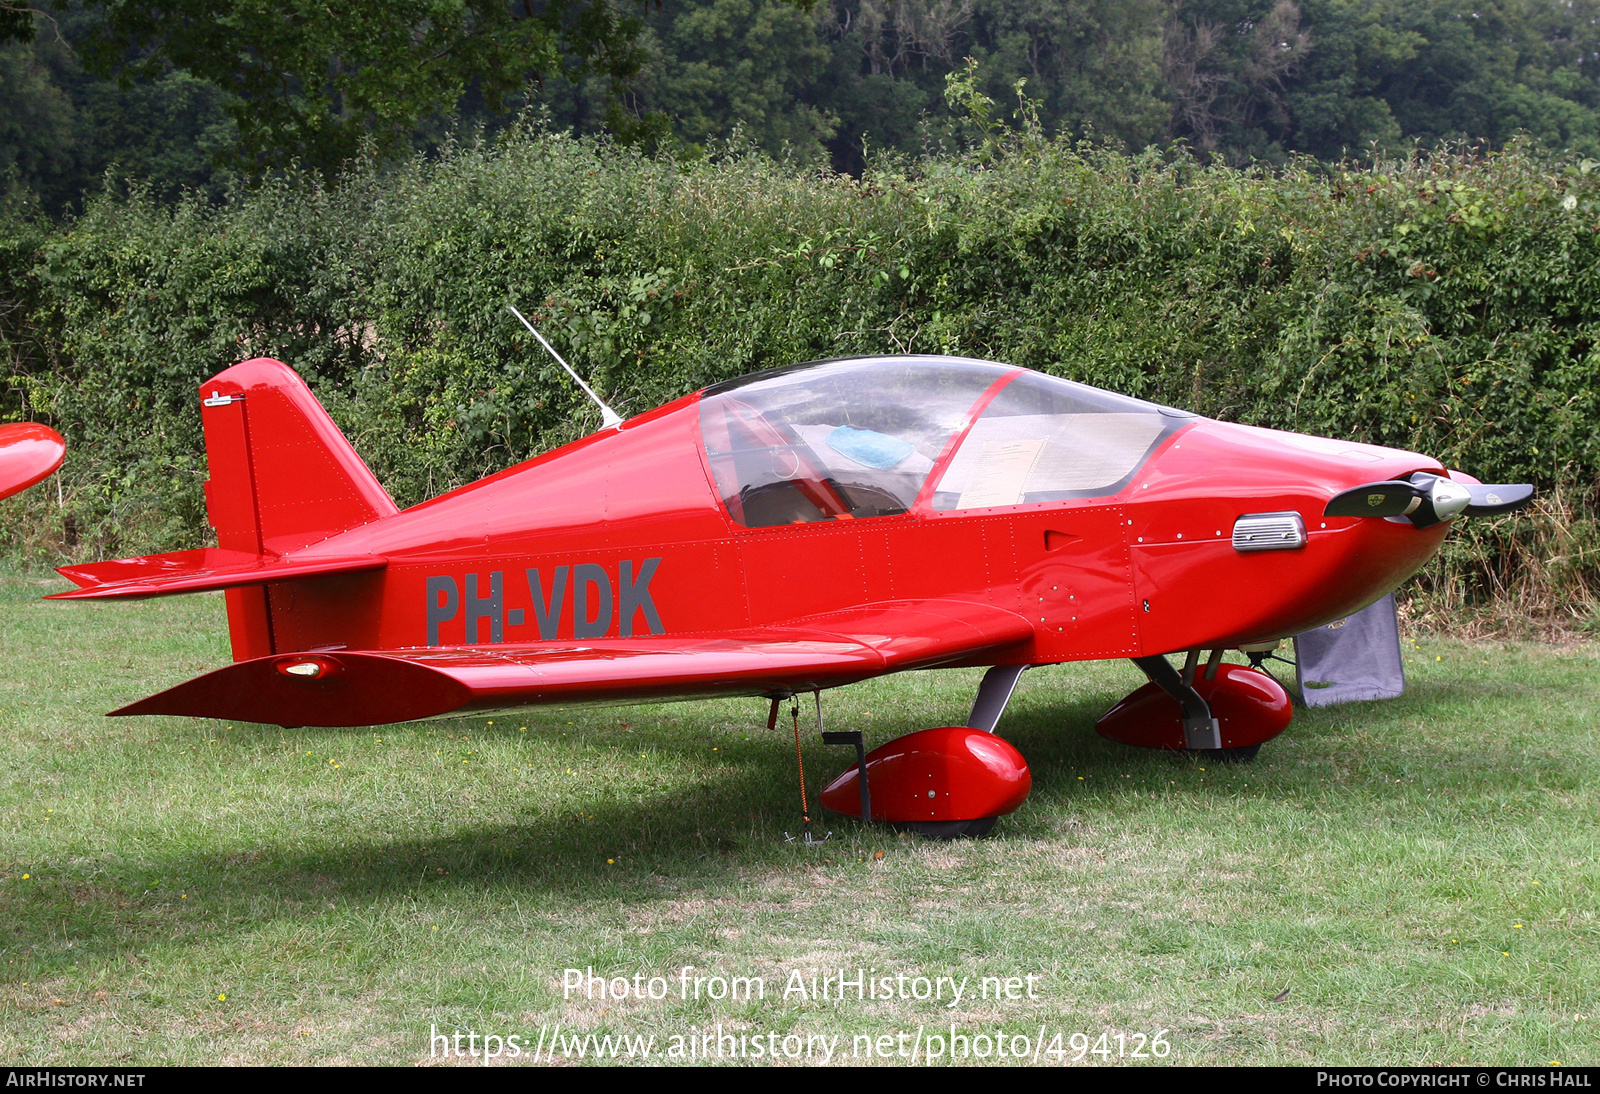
{"points": [[282, 477]]}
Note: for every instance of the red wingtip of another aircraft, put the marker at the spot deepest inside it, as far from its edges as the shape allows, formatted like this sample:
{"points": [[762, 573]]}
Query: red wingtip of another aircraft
{"points": [[29, 453]]}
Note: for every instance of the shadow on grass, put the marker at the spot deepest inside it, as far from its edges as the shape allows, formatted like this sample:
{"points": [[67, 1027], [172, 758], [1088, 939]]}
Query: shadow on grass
{"points": [[715, 833], [711, 836]]}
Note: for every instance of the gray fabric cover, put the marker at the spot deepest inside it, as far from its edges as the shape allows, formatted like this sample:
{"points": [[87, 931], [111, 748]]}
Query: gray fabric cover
{"points": [[1356, 658]]}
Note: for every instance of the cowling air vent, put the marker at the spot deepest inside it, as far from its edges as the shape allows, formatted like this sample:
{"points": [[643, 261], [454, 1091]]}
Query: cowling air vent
{"points": [[1269, 532]]}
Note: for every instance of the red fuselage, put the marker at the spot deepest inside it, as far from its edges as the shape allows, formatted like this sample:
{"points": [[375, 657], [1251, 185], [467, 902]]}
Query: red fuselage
{"points": [[624, 533]]}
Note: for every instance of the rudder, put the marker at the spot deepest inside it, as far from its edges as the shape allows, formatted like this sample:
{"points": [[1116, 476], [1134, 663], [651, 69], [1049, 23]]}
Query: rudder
{"points": [[282, 476]]}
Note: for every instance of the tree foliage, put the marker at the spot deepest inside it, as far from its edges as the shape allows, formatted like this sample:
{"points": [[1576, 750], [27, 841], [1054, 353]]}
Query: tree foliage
{"points": [[1446, 304], [16, 21], [65, 130], [314, 83], [1243, 80], [748, 63], [208, 89]]}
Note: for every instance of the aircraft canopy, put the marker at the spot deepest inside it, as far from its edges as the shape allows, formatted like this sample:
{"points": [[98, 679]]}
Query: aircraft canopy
{"points": [[862, 437]]}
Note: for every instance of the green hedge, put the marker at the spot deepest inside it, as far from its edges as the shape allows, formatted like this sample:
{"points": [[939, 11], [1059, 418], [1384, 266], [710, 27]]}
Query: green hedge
{"points": [[1450, 305]]}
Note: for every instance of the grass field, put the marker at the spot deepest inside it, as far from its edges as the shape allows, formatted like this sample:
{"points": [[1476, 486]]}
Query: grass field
{"points": [[1420, 875]]}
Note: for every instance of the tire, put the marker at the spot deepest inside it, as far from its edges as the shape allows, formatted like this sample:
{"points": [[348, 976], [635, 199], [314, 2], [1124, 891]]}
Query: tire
{"points": [[962, 829], [1241, 755]]}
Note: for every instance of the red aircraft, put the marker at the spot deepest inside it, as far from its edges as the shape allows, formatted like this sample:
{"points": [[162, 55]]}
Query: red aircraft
{"points": [[793, 531], [29, 453]]}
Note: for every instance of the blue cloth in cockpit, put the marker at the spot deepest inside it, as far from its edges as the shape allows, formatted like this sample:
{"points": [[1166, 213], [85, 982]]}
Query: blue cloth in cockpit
{"points": [[869, 448]]}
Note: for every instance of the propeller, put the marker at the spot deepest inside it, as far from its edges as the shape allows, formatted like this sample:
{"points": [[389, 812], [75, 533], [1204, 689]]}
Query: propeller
{"points": [[1426, 499]]}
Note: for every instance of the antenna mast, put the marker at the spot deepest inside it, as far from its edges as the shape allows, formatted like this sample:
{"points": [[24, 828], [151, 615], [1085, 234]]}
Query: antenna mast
{"points": [[608, 417]]}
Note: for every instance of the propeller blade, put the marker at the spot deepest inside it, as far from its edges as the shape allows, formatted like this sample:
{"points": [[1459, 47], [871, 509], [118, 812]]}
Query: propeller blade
{"points": [[1429, 499], [1375, 499], [1498, 497]]}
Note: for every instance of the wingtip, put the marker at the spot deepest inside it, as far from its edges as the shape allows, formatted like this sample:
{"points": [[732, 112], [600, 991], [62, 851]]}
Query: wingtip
{"points": [[370, 689], [83, 592]]}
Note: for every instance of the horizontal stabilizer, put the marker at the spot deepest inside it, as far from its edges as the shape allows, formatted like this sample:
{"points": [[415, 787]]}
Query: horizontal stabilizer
{"points": [[357, 688], [200, 570]]}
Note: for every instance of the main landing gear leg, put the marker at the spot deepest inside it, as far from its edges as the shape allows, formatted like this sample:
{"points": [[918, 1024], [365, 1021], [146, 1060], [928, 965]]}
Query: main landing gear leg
{"points": [[993, 694], [1200, 729]]}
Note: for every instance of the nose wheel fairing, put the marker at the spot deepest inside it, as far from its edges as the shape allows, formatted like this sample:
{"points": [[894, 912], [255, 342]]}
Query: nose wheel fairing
{"points": [[1243, 707]]}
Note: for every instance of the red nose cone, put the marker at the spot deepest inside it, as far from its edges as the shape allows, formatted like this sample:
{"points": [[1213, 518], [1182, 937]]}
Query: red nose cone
{"points": [[29, 452], [947, 774], [1250, 707]]}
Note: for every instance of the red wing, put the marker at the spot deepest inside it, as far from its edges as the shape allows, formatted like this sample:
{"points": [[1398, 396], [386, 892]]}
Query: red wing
{"points": [[345, 688]]}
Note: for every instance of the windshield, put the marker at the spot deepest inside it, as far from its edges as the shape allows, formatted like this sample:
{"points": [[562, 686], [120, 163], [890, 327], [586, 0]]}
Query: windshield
{"points": [[836, 440], [1047, 439]]}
